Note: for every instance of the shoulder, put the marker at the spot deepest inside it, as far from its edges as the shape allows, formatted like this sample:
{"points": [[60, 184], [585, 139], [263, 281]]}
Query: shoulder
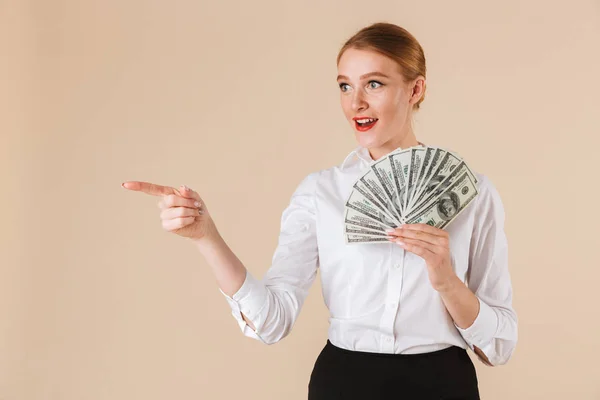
{"points": [[488, 200], [309, 182], [485, 186], [323, 179], [312, 179], [307, 187]]}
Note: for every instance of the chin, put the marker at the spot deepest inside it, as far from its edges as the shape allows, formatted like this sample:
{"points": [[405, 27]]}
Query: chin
{"points": [[366, 139]]}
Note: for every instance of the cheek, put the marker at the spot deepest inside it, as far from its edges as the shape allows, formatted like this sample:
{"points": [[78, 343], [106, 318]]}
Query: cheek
{"points": [[393, 106], [345, 101]]}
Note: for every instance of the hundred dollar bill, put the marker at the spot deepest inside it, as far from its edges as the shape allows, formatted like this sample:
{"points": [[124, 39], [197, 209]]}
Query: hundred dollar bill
{"points": [[370, 180], [416, 162], [353, 217], [449, 204], [383, 170], [363, 189], [431, 171], [399, 161], [448, 163], [431, 155], [358, 202], [456, 173], [454, 160], [356, 238], [349, 228]]}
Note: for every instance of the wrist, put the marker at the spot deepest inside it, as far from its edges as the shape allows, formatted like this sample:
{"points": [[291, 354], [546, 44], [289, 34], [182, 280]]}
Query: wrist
{"points": [[450, 286], [208, 240]]}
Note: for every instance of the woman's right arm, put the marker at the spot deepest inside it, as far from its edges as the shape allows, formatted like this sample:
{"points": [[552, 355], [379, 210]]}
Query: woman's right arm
{"points": [[265, 309], [184, 213], [229, 271]]}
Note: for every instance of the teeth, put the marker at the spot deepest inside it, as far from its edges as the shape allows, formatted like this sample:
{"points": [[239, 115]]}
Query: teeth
{"points": [[364, 121]]}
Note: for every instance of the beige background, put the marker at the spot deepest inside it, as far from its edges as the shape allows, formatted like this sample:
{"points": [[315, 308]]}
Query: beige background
{"points": [[239, 101]]}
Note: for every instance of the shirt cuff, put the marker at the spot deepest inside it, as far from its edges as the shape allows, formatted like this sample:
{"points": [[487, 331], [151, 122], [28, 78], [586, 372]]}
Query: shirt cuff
{"points": [[250, 299], [483, 329]]}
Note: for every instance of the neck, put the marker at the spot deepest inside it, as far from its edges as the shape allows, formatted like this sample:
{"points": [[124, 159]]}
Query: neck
{"points": [[404, 142]]}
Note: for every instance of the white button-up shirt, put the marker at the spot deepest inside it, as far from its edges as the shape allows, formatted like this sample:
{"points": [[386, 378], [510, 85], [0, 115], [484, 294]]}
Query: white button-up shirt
{"points": [[379, 296]]}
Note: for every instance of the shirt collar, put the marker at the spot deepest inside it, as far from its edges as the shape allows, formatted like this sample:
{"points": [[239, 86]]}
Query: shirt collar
{"points": [[361, 153]]}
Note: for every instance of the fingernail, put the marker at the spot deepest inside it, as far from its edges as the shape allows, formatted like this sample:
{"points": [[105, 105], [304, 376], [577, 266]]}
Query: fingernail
{"points": [[123, 185], [389, 230], [197, 204]]}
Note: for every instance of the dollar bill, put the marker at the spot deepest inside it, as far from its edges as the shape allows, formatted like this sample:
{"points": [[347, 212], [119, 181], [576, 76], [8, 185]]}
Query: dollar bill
{"points": [[399, 161], [356, 238], [432, 155], [358, 202], [455, 198], [421, 184], [428, 183], [434, 194], [445, 167], [350, 228], [383, 170], [416, 162], [353, 217], [383, 205], [370, 180]]}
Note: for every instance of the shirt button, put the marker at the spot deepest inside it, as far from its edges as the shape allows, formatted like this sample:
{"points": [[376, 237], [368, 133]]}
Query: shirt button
{"points": [[388, 339], [397, 265]]}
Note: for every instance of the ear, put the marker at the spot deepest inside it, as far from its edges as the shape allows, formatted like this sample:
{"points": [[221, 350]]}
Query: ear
{"points": [[418, 89]]}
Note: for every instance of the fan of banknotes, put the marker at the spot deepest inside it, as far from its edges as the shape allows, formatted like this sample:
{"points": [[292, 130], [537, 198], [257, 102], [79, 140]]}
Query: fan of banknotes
{"points": [[421, 184]]}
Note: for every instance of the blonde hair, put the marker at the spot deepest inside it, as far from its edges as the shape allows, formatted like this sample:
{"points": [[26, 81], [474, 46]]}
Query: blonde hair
{"points": [[394, 42]]}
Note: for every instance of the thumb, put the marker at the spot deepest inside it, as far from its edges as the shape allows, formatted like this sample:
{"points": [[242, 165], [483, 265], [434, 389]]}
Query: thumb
{"points": [[189, 193]]}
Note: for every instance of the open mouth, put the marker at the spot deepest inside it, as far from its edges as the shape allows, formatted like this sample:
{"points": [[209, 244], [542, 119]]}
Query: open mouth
{"points": [[365, 124]]}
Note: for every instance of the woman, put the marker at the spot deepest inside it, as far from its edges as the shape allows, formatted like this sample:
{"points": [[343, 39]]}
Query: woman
{"points": [[401, 314]]}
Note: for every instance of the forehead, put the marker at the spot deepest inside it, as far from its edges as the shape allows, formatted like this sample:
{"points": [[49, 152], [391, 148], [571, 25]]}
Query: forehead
{"points": [[355, 62]]}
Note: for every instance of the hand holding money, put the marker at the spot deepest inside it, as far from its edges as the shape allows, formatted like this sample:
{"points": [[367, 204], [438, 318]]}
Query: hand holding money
{"points": [[183, 211], [421, 184], [433, 245]]}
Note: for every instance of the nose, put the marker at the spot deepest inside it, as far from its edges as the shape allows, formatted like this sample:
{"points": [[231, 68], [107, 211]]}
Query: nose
{"points": [[358, 101]]}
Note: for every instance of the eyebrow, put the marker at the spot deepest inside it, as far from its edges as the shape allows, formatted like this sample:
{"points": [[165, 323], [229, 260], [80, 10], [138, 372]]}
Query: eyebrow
{"points": [[365, 75]]}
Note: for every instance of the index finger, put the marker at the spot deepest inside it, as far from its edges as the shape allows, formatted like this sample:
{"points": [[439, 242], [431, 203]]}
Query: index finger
{"points": [[150, 188]]}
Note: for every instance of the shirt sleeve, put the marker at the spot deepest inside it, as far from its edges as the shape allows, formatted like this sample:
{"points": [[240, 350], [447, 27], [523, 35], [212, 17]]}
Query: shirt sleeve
{"points": [[273, 303], [494, 331]]}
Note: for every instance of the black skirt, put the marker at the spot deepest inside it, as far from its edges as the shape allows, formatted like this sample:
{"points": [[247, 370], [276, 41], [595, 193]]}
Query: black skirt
{"points": [[345, 374]]}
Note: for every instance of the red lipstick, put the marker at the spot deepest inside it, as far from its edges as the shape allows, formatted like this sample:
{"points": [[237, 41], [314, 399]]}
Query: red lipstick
{"points": [[364, 126]]}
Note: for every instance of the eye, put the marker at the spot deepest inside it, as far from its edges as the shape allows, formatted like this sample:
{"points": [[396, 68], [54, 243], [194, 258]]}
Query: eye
{"points": [[342, 85], [375, 84]]}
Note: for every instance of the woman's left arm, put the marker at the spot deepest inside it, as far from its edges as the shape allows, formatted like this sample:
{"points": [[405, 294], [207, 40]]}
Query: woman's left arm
{"points": [[482, 311]]}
